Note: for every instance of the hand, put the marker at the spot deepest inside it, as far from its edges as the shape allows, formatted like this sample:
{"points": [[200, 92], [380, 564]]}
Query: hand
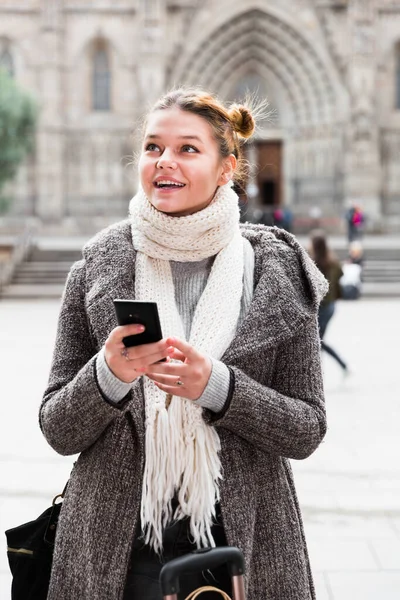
{"points": [[130, 363], [193, 371]]}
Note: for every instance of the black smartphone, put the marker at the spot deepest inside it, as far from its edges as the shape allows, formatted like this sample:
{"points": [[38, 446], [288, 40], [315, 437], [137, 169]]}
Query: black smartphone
{"points": [[142, 313]]}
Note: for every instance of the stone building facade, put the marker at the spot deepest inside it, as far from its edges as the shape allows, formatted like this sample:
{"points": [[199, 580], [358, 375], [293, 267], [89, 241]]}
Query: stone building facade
{"points": [[330, 69]]}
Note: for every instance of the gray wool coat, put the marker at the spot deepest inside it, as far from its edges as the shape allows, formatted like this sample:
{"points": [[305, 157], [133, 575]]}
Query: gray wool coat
{"points": [[276, 413]]}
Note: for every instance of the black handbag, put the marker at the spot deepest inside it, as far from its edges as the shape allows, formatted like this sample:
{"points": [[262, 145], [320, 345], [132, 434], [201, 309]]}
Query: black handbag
{"points": [[30, 553]]}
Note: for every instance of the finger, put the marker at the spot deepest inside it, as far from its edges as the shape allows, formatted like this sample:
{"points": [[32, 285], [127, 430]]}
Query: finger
{"points": [[184, 347], [177, 355], [122, 331], [143, 351], [169, 380], [174, 390], [168, 368], [143, 363]]}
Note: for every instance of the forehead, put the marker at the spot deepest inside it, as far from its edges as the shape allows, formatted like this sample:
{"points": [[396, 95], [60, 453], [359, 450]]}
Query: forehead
{"points": [[174, 122]]}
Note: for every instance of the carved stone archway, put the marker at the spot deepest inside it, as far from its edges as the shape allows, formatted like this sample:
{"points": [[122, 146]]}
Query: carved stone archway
{"points": [[315, 102], [263, 38]]}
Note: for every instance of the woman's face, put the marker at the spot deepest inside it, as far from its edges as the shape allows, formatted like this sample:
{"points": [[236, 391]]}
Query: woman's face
{"points": [[180, 166]]}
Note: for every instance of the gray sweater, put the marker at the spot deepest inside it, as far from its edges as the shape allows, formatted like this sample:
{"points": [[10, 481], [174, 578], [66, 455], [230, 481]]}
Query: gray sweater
{"points": [[275, 413], [190, 279]]}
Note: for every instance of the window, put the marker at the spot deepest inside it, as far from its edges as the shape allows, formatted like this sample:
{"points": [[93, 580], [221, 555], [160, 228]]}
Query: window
{"points": [[6, 61], [397, 76], [101, 79]]}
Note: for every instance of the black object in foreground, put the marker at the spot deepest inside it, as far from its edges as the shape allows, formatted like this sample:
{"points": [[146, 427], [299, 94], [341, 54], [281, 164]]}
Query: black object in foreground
{"points": [[142, 313], [202, 560], [30, 554]]}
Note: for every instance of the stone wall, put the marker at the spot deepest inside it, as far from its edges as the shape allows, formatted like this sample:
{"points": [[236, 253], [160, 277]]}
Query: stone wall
{"points": [[328, 66]]}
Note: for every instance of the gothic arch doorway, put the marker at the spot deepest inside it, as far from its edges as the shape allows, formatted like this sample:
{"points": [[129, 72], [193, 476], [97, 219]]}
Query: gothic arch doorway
{"points": [[265, 154], [269, 173], [263, 192]]}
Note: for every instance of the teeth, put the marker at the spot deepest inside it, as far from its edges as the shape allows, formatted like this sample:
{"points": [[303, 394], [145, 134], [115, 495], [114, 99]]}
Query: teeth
{"points": [[166, 182]]}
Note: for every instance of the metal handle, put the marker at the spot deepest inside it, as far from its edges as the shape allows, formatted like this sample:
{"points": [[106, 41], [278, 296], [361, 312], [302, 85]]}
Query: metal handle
{"points": [[200, 560], [60, 495]]}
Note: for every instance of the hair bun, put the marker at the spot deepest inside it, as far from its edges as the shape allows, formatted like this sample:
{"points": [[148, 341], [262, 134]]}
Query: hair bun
{"points": [[242, 120]]}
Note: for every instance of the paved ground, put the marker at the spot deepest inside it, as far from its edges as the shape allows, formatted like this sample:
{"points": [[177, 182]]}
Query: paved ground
{"points": [[349, 489], [370, 241]]}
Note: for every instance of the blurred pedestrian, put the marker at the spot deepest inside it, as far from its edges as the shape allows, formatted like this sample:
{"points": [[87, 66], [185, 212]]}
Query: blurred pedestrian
{"points": [[278, 217], [330, 266], [283, 218], [287, 219], [355, 254], [351, 280], [192, 451], [355, 222]]}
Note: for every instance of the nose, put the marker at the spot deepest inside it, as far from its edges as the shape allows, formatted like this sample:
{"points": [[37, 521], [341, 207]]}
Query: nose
{"points": [[166, 161]]}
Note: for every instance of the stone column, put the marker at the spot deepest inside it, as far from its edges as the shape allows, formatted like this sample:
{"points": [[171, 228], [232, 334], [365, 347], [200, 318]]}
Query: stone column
{"points": [[50, 144], [151, 58], [363, 169]]}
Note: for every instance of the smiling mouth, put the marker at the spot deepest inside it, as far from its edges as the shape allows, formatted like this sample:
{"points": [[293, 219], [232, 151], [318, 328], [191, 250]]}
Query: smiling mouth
{"points": [[168, 185]]}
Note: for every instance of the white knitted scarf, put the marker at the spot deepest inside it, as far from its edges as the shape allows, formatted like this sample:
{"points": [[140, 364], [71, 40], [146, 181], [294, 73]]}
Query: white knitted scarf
{"points": [[181, 450]]}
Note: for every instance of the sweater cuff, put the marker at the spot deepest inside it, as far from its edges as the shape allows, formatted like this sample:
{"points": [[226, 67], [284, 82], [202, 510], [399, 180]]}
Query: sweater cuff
{"points": [[111, 387], [217, 389]]}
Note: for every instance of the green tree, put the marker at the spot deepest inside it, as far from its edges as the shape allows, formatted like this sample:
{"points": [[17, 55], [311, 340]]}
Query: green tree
{"points": [[18, 117]]}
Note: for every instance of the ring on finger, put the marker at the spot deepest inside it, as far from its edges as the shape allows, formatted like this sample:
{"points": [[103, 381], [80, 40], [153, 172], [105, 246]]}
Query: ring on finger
{"points": [[125, 353], [179, 382]]}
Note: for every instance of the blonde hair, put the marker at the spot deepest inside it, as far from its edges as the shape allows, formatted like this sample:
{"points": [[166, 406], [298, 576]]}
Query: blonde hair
{"points": [[231, 125]]}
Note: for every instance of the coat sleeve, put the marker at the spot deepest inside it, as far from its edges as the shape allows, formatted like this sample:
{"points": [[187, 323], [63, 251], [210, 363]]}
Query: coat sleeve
{"points": [[288, 418], [74, 412]]}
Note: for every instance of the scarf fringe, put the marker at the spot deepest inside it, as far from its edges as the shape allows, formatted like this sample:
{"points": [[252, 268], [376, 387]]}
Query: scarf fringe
{"points": [[199, 475]]}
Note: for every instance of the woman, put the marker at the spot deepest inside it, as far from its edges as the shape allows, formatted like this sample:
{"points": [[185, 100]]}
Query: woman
{"points": [[192, 451], [330, 266]]}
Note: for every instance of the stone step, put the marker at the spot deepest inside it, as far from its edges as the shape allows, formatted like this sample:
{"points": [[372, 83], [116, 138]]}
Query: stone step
{"points": [[44, 280], [15, 291], [39, 272], [64, 265], [380, 278], [368, 270], [40, 255], [373, 254], [381, 264], [31, 291], [380, 289], [387, 272], [370, 275], [45, 272], [59, 279]]}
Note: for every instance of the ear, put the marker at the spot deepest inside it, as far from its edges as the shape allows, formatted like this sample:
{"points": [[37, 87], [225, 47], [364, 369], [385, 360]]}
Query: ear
{"points": [[228, 169]]}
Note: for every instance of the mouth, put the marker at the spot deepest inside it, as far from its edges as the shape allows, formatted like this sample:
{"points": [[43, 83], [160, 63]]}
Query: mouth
{"points": [[168, 184]]}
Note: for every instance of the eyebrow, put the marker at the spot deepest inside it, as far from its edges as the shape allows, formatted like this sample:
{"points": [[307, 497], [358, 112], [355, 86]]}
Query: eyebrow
{"points": [[154, 136]]}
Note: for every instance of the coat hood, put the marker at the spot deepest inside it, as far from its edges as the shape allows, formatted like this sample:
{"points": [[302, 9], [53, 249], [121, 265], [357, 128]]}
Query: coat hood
{"points": [[289, 260]]}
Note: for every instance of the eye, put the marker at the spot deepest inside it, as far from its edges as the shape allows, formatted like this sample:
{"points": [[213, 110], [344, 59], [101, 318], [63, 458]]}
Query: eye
{"points": [[151, 148], [189, 148]]}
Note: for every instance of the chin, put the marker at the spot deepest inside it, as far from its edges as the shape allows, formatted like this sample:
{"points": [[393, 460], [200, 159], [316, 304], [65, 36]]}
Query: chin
{"points": [[164, 206]]}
